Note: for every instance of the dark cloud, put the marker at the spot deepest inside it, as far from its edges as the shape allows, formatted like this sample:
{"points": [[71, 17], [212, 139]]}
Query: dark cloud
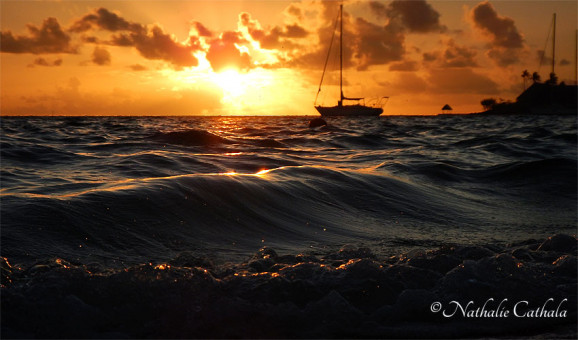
{"points": [[377, 45], [223, 52], [45, 62], [202, 31], [150, 42], [275, 38], [123, 40], [295, 31], [503, 57], [371, 44], [416, 16], [431, 56], [90, 39], [366, 43], [50, 38], [295, 11], [545, 59], [138, 67], [312, 59], [452, 56], [502, 30], [506, 42], [100, 56], [104, 19], [158, 45], [405, 66]]}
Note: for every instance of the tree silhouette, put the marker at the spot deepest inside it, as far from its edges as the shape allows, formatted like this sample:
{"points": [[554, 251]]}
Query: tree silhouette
{"points": [[535, 77], [553, 79], [525, 76], [488, 103]]}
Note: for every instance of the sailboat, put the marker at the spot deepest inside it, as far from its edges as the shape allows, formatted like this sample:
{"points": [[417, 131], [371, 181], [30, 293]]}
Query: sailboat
{"points": [[359, 107]]}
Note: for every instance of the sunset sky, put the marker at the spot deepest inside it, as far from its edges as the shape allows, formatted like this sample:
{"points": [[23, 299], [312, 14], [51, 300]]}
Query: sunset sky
{"points": [[266, 57]]}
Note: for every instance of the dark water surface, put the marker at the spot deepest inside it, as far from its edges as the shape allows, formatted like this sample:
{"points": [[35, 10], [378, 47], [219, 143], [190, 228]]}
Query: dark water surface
{"points": [[182, 206]]}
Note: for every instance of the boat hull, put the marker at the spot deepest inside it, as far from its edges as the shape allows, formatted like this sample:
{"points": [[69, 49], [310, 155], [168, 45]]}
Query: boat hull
{"points": [[349, 111]]}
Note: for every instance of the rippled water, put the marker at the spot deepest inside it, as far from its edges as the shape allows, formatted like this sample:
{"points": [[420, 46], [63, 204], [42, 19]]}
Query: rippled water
{"points": [[116, 192], [139, 188]]}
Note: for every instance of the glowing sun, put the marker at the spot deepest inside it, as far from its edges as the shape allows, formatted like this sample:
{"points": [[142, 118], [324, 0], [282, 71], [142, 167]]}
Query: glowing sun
{"points": [[231, 82]]}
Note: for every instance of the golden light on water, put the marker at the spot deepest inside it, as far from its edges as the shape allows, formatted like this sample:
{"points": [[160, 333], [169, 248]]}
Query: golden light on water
{"points": [[263, 172]]}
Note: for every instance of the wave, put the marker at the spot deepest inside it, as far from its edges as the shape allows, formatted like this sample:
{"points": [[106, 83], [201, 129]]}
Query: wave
{"points": [[547, 171], [221, 209], [556, 169], [292, 207], [190, 138], [35, 153]]}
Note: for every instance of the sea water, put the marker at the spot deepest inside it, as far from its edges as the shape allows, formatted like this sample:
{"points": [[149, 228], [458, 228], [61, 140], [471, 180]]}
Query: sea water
{"points": [[170, 222]]}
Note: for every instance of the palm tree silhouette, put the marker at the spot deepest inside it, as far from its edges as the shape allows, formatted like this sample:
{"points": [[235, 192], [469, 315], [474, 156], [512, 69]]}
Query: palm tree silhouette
{"points": [[525, 76]]}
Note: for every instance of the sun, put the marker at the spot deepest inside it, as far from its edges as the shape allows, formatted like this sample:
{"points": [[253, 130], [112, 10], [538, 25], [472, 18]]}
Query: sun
{"points": [[256, 91], [233, 83]]}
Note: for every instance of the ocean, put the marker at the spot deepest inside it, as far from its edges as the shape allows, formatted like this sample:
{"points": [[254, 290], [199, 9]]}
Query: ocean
{"points": [[261, 227]]}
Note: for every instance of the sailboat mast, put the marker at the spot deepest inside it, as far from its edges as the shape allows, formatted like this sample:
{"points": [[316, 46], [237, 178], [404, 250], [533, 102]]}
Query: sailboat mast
{"points": [[341, 53], [554, 44]]}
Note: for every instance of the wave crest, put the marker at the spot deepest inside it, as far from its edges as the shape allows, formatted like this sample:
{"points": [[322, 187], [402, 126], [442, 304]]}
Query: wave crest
{"points": [[192, 137]]}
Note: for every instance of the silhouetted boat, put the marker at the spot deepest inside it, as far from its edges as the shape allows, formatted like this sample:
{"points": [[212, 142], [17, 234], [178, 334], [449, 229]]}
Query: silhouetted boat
{"points": [[360, 108]]}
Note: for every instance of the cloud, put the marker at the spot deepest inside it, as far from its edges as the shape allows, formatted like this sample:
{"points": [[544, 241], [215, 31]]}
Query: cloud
{"points": [[201, 30], [100, 56], [50, 38], [506, 42], [370, 43], [122, 40], [460, 80], [90, 39], [501, 30], [403, 84], [503, 57], [275, 38], [150, 42], [366, 43], [154, 44], [406, 65], [376, 45], [416, 16], [138, 67], [294, 11], [46, 63], [452, 55], [104, 19], [223, 52]]}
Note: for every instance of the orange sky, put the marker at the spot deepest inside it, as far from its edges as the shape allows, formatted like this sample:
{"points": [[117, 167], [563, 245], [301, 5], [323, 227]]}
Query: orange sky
{"points": [[266, 57]]}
